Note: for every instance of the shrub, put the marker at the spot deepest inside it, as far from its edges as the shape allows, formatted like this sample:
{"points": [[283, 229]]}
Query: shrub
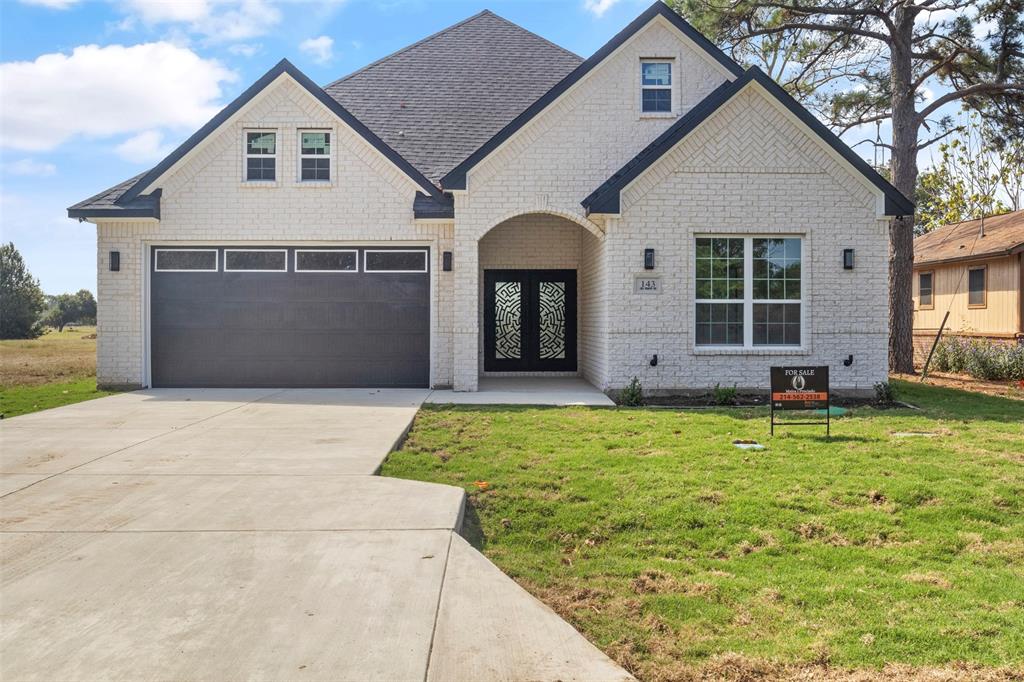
{"points": [[979, 358], [724, 395], [632, 395], [885, 392]]}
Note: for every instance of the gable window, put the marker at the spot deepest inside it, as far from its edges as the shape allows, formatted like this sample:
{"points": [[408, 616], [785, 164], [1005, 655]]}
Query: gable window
{"points": [[749, 292], [260, 156], [976, 295], [924, 291], [655, 87], [314, 156]]}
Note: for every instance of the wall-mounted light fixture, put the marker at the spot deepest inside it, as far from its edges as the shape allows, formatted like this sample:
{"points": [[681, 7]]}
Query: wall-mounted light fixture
{"points": [[115, 261], [446, 261], [648, 259], [847, 259]]}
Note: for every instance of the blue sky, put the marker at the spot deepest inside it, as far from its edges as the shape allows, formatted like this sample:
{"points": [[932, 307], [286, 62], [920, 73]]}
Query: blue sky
{"points": [[96, 91]]}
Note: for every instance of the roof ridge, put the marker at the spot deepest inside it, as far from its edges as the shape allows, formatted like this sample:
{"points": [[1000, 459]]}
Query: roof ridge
{"points": [[419, 42]]}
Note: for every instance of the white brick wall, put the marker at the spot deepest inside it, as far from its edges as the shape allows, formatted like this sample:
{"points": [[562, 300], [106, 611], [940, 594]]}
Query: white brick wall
{"points": [[206, 201]]}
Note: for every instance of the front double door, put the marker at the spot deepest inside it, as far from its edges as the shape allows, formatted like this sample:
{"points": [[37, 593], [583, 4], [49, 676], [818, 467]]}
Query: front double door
{"points": [[530, 320]]}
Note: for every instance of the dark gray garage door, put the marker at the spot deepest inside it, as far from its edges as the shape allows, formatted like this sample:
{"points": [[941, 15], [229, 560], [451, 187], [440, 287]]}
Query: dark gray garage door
{"points": [[290, 317]]}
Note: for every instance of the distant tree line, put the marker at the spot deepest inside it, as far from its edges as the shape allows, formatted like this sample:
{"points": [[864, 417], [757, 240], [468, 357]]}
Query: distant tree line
{"points": [[25, 311]]}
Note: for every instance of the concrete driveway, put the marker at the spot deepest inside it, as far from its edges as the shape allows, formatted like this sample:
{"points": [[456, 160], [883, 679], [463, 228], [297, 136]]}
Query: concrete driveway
{"points": [[240, 534]]}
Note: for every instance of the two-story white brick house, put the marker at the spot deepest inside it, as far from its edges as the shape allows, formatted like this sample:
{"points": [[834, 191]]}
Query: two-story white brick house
{"points": [[485, 202]]}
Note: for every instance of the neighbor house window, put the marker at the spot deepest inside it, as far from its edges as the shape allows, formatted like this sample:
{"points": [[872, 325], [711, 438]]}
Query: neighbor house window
{"points": [[260, 156], [749, 291], [255, 260], [976, 297], [655, 87], [314, 156], [924, 291]]}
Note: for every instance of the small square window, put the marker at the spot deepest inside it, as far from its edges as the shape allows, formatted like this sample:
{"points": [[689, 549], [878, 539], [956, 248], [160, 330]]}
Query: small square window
{"points": [[655, 87], [260, 156]]}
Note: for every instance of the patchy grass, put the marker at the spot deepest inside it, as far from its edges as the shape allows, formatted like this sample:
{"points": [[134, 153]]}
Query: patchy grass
{"points": [[965, 382], [16, 400], [58, 368], [681, 556], [51, 358]]}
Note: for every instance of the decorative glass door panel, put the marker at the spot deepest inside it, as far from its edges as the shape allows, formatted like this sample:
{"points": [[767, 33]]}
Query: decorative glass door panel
{"points": [[529, 320]]}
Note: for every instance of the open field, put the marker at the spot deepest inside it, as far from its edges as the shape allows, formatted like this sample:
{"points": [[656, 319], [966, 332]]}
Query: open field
{"points": [[58, 368], [895, 550]]}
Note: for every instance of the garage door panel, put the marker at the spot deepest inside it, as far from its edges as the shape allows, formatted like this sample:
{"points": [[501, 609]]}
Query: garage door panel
{"points": [[280, 329]]}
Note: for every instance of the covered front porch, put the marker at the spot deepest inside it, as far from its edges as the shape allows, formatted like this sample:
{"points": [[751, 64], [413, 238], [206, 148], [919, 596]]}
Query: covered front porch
{"points": [[539, 308]]}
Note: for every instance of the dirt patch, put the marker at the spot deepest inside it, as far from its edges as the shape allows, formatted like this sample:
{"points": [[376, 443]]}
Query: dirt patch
{"points": [[930, 578], [964, 382]]}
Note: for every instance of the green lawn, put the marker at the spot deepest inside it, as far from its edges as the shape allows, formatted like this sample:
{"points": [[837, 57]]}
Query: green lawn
{"points": [[16, 400], [669, 548]]}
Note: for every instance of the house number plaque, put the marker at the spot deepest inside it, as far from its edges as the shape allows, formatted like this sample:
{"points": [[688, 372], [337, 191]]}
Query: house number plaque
{"points": [[647, 285]]}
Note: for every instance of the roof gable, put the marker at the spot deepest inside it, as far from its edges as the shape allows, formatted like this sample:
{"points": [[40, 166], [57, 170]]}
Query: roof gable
{"points": [[606, 198], [438, 100], [456, 178], [284, 67]]}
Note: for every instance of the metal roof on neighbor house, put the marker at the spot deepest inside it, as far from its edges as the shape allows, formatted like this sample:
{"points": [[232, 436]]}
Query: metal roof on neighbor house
{"points": [[1003, 235]]}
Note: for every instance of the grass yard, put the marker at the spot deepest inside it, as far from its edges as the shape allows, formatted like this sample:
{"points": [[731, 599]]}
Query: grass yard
{"points": [[58, 368], [878, 554]]}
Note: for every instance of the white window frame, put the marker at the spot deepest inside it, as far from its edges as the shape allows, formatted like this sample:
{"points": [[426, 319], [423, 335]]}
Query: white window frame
{"points": [[671, 87], [227, 269], [426, 261], [295, 266], [216, 260], [748, 299], [246, 156], [300, 156]]}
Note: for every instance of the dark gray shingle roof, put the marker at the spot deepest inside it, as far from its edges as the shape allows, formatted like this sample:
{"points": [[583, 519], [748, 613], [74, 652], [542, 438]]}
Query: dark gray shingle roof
{"points": [[438, 100]]}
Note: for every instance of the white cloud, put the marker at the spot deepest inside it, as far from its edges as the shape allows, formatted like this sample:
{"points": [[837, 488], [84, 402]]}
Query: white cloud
{"points": [[598, 7], [320, 49], [30, 167], [103, 91], [52, 4], [245, 49], [217, 20], [146, 147]]}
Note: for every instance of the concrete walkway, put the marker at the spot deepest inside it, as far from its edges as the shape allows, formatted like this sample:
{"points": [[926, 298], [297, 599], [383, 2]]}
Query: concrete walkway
{"points": [[555, 391], [239, 534]]}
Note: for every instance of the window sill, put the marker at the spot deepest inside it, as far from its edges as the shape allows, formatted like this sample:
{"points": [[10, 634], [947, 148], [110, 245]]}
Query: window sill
{"points": [[738, 350], [317, 184], [260, 183], [658, 114]]}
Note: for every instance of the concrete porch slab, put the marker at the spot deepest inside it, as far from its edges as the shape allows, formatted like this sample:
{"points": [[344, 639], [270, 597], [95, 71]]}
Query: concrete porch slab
{"points": [[220, 606], [80, 503], [556, 391]]}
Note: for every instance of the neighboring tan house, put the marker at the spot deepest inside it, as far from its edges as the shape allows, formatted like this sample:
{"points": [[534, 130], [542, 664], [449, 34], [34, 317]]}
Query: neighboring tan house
{"points": [[974, 270], [484, 202]]}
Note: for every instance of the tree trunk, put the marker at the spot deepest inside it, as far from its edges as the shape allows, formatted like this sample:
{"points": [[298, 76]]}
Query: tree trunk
{"points": [[904, 177]]}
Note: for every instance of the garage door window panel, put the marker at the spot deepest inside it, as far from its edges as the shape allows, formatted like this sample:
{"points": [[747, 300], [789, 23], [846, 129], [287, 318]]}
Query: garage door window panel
{"points": [[186, 260], [395, 261], [253, 260], [326, 261]]}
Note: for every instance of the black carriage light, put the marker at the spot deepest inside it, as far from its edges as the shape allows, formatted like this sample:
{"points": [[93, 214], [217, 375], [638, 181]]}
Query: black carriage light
{"points": [[446, 261], [648, 259], [847, 259], [115, 261]]}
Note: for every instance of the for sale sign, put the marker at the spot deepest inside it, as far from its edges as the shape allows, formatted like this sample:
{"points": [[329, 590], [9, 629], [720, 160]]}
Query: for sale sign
{"points": [[799, 388]]}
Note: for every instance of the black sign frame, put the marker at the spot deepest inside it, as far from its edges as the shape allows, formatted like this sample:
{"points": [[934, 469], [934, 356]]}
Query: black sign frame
{"points": [[801, 388]]}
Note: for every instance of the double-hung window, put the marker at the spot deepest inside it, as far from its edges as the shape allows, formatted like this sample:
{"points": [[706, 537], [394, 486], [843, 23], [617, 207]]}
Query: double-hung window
{"points": [[656, 87], [976, 287], [260, 156], [924, 291], [749, 292], [314, 156]]}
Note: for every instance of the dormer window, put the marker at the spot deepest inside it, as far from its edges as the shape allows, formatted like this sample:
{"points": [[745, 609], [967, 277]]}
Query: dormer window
{"points": [[260, 156], [314, 156], [655, 87]]}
